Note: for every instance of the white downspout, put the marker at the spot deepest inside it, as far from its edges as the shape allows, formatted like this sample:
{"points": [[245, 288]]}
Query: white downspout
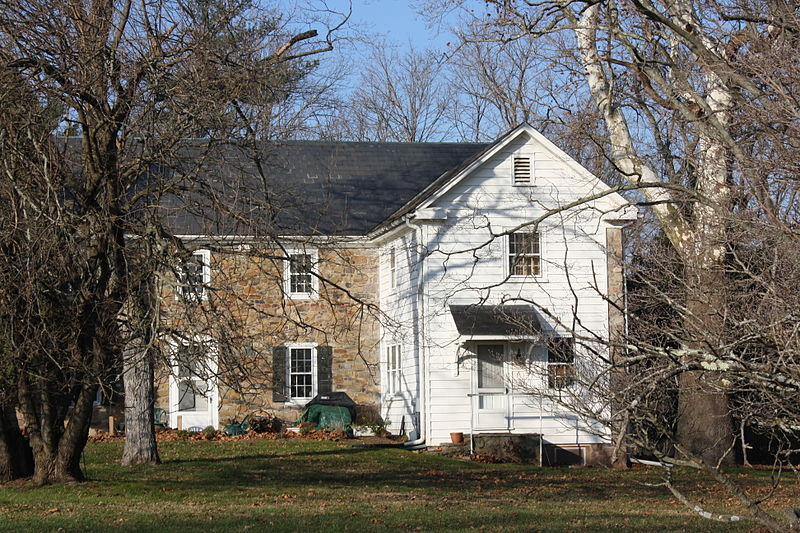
{"points": [[422, 366]]}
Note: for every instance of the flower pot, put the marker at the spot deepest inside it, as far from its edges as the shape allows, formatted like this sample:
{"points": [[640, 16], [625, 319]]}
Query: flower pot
{"points": [[457, 437]]}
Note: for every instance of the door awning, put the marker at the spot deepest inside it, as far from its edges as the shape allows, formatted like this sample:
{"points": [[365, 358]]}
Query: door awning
{"points": [[502, 322]]}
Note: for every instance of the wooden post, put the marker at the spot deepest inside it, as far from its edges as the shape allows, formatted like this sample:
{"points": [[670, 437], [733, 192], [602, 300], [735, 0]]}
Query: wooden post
{"points": [[111, 426], [180, 423]]}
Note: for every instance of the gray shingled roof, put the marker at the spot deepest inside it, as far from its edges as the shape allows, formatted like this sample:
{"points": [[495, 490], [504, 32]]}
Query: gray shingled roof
{"points": [[311, 187], [434, 186]]}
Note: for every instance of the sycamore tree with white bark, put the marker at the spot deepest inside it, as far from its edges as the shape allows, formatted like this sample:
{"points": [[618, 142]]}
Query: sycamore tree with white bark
{"points": [[696, 108]]}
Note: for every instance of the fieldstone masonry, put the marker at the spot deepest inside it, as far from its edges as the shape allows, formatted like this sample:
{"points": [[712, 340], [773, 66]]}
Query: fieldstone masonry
{"points": [[248, 296]]}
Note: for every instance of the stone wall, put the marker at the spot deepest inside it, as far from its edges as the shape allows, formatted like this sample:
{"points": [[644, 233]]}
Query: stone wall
{"points": [[524, 448], [246, 315]]}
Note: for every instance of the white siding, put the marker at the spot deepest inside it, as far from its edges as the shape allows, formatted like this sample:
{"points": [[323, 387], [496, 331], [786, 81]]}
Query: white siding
{"points": [[400, 326], [469, 263], [466, 262]]}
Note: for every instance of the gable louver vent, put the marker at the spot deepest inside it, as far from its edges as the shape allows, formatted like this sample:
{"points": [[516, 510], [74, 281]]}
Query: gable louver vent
{"points": [[522, 170]]}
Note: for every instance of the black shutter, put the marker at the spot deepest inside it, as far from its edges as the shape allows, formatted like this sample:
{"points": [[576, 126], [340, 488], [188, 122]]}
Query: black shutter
{"points": [[279, 374], [324, 369]]}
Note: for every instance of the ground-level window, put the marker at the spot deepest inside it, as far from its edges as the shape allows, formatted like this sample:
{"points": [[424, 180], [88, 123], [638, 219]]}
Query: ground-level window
{"points": [[394, 372], [194, 376], [524, 254], [301, 374], [560, 362], [491, 380], [300, 269], [300, 371]]}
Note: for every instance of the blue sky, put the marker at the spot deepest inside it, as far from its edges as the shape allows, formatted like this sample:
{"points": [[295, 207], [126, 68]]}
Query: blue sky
{"points": [[397, 20]]}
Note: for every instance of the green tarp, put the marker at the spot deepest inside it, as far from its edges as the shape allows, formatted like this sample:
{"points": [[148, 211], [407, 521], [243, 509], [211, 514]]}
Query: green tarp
{"points": [[328, 416]]}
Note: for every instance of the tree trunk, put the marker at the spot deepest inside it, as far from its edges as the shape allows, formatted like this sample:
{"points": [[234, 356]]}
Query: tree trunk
{"points": [[139, 365], [16, 458], [705, 427], [140, 439], [56, 449], [705, 423]]}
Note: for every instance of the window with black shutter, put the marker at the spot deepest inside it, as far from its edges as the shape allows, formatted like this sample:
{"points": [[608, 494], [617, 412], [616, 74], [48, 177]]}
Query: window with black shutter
{"points": [[301, 371]]}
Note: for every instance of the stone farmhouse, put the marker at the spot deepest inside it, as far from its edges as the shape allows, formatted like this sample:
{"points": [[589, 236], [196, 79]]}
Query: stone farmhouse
{"points": [[444, 284]]}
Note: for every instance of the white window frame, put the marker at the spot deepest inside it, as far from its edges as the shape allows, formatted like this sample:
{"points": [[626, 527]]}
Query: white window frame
{"points": [[194, 295], [394, 369], [290, 347], [212, 393], [507, 256], [393, 268], [531, 166], [287, 274]]}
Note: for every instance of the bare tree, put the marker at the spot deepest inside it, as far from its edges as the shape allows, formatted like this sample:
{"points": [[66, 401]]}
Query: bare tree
{"points": [[509, 80], [131, 82], [697, 89], [399, 97], [698, 111]]}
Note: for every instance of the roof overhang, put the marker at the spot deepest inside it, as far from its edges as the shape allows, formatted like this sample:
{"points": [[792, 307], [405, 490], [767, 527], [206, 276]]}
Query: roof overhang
{"points": [[497, 322]]}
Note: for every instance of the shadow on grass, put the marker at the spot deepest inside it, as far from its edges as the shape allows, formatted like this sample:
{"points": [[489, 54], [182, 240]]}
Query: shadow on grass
{"points": [[368, 469]]}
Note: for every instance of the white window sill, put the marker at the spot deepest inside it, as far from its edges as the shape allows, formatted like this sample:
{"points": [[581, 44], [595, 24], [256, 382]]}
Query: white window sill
{"points": [[299, 402], [301, 296], [539, 279]]}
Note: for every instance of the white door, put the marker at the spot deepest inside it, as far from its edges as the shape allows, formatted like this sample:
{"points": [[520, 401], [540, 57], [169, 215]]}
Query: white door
{"points": [[491, 405], [193, 394]]}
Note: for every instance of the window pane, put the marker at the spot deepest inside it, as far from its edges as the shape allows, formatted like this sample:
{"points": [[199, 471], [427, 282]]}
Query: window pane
{"points": [[191, 396], [188, 360], [301, 386], [301, 360], [524, 254], [560, 375], [300, 263], [490, 367], [525, 266], [300, 277], [191, 279], [491, 401], [301, 372], [561, 362], [561, 350], [393, 268]]}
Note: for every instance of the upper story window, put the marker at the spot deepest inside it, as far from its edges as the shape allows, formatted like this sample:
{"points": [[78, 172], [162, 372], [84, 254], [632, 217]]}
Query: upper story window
{"points": [[194, 276], [392, 268], [394, 369], [524, 254], [300, 279], [522, 170], [560, 362]]}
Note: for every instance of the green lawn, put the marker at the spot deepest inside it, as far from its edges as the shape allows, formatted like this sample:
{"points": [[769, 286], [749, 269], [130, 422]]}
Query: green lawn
{"points": [[292, 485]]}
